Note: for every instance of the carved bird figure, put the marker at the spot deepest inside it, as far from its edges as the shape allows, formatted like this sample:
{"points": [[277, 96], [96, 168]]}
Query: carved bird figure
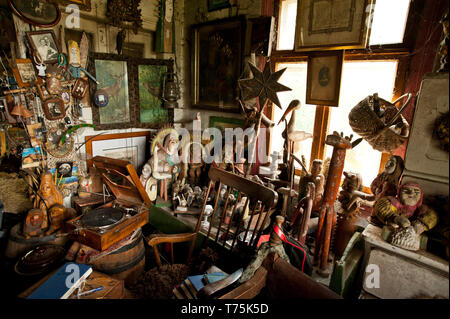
{"points": [[290, 134]]}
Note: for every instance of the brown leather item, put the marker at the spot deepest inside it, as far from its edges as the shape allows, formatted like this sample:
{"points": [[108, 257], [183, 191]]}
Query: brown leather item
{"points": [[128, 194]]}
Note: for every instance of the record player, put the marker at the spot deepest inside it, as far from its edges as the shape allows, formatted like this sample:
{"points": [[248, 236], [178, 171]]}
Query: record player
{"points": [[103, 227]]}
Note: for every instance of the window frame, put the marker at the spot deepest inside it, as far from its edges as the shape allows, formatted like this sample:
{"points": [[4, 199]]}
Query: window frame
{"points": [[399, 52]]}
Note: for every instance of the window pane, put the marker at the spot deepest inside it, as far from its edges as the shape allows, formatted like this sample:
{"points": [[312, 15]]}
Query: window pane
{"points": [[295, 78], [360, 79], [389, 21], [286, 34]]}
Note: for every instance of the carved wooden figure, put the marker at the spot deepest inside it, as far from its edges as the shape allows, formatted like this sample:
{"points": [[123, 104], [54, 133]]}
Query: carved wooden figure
{"points": [[56, 216], [33, 223], [327, 215], [347, 215], [49, 196]]}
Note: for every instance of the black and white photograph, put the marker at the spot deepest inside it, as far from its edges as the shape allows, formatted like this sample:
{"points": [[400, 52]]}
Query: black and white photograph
{"points": [[44, 44]]}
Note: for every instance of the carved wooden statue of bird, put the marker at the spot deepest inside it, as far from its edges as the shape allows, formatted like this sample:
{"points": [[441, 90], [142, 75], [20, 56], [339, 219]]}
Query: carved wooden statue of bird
{"points": [[290, 135]]}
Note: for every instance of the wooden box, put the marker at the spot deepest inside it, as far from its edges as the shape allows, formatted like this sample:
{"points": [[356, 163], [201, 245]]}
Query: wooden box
{"points": [[123, 181]]}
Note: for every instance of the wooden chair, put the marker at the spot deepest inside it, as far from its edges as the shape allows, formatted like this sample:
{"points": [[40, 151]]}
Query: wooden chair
{"points": [[260, 201]]}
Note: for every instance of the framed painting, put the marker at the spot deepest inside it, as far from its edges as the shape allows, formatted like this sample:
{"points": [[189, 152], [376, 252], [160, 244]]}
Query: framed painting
{"points": [[112, 74], [45, 44], [332, 25], [222, 123], [214, 5], [217, 63], [133, 147], [39, 13], [148, 77], [323, 82]]}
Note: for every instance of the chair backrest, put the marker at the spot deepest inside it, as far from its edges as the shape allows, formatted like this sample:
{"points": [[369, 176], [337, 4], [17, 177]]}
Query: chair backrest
{"points": [[260, 201]]}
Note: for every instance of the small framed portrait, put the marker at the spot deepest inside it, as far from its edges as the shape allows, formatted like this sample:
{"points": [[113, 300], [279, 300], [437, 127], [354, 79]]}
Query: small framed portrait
{"points": [[25, 73], [323, 83], [64, 169], [44, 44], [80, 88], [54, 108]]}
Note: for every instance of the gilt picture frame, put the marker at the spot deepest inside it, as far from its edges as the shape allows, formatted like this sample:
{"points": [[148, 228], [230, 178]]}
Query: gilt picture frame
{"points": [[112, 73], [332, 25], [217, 63], [324, 77]]}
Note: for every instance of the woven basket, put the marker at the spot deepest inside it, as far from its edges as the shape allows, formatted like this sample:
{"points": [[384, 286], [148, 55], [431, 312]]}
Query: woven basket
{"points": [[375, 130]]}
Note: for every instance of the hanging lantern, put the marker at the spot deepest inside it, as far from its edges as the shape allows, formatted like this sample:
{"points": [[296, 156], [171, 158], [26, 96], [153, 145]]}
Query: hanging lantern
{"points": [[171, 90]]}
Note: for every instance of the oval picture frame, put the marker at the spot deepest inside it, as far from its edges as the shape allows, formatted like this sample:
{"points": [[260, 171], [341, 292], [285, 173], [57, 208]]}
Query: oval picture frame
{"points": [[44, 15]]}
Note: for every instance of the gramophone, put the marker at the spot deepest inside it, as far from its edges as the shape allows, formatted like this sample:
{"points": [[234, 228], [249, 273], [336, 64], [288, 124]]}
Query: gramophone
{"points": [[103, 227]]}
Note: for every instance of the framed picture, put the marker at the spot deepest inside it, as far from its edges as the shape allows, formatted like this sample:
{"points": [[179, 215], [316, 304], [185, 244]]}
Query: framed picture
{"points": [[36, 12], [222, 123], [45, 44], [133, 147], [214, 5], [331, 25], [217, 63], [54, 108], [323, 82], [64, 169], [80, 88], [84, 5], [111, 71], [148, 77], [261, 36], [24, 73]]}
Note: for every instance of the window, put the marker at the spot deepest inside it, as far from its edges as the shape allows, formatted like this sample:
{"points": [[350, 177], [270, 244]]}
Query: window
{"points": [[360, 79], [356, 84], [364, 73], [388, 23]]}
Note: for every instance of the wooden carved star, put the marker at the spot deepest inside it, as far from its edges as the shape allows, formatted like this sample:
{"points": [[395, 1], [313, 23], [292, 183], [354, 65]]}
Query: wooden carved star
{"points": [[263, 85]]}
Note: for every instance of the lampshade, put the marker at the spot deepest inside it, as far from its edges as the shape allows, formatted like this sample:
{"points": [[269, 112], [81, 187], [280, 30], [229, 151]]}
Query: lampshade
{"points": [[20, 110]]}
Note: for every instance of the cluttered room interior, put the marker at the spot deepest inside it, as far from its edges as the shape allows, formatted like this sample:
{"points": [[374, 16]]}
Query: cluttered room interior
{"points": [[224, 149]]}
